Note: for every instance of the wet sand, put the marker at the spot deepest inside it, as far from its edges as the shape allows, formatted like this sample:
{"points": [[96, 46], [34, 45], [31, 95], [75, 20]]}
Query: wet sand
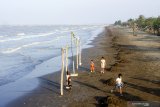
{"points": [[136, 57]]}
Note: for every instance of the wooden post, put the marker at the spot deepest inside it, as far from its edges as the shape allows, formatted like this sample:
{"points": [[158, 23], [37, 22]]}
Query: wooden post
{"points": [[66, 58], [80, 62], [62, 72], [77, 52], [72, 36], [74, 39]]}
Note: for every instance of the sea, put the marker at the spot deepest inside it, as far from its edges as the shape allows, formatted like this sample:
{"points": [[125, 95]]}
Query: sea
{"points": [[29, 52]]}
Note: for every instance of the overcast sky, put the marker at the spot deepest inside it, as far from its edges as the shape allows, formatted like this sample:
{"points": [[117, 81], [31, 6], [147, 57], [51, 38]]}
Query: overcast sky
{"points": [[51, 12]]}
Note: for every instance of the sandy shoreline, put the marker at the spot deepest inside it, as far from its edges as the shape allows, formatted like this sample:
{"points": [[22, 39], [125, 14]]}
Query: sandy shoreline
{"points": [[136, 58]]}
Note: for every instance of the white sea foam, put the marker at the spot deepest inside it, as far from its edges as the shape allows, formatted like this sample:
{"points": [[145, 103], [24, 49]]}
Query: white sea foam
{"points": [[20, 34], [12, 50], [24, 37]]}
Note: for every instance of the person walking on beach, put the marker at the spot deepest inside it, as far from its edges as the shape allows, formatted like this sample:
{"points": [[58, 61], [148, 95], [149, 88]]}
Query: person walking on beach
{"points": [[119, 84], [103, 65], [92, 66]]}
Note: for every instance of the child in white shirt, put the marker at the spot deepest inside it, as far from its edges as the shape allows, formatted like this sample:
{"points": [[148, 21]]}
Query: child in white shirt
{"points": [[119, 84], [103, 65]]}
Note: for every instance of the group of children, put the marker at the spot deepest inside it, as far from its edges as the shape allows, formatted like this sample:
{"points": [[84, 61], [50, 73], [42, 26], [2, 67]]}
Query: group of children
{"points": [[119, 83], [103, 65]]}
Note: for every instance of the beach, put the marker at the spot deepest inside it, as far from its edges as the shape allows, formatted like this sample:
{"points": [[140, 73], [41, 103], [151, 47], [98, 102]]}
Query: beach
{"points": [[137, 58]]}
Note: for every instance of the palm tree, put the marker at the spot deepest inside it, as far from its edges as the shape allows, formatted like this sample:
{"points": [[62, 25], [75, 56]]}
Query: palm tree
{"points": [[133, 25]]}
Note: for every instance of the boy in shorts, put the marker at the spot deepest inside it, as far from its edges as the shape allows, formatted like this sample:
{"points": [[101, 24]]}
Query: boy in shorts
{"points": [[119, 84]]}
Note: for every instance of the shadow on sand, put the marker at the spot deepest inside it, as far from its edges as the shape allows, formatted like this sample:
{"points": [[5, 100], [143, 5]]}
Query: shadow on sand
{"points": [[153, 91], [88, 85], [81, 68], [128, 97], [103, 81], [49, 85], [147, 80]]}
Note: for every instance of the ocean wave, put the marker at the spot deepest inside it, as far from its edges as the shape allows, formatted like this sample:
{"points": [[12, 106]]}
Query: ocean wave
{"points": [[20, 34], [25, 37], [11, 50]]}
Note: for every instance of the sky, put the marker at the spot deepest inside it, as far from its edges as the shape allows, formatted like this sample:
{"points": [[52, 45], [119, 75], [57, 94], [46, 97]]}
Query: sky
{"points": [[73, 12]]}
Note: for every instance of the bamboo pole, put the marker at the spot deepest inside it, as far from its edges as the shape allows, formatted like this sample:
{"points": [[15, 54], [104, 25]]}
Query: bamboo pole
{"points": [[77, 51], [62, 72], [66, 58], [72, 34], [80, 62]]}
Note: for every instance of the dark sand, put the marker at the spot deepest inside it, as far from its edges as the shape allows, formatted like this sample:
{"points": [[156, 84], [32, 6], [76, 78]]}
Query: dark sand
{"points": [[136, 57]]}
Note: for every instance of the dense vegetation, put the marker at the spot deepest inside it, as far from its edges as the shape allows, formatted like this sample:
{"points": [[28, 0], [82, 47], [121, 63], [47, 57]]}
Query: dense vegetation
{"points": [[151, 24]]}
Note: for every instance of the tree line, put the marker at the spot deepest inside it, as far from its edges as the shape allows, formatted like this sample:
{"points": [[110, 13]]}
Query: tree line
{"points": [[150, 25]]}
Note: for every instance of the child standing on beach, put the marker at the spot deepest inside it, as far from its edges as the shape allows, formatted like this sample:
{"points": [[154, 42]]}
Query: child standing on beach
{"points": [[103, 65], [92, 66]]}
